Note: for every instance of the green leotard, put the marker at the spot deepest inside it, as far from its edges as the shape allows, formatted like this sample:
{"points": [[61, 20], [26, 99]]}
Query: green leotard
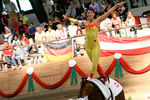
{"points": [[92, 46]]}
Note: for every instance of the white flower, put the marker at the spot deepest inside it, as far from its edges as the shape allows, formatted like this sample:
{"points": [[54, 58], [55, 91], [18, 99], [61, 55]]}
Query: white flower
{"points": [[117, 55], [72, 63], [30, 70]]}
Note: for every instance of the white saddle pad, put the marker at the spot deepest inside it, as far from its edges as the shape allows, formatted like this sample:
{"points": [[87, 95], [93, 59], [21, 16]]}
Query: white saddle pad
{"points": [[115, 87]]}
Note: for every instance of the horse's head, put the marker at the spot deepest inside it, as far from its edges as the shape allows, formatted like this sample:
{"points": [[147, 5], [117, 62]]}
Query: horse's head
{"points": [[93, 89], [88, 89]]}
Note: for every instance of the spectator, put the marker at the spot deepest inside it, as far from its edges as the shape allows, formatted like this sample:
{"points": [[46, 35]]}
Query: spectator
{"points": [[33, 48], [2, 30], [130, 21], [85, 4], [123, 30], [50, 34], [7, 52], [65, 4], [39, 35], [103, 5], [25, 49], [80, 41], [109, 6], [45, 27], [23, 18], [4, 18], [56, 10], [79, 11], [50, 22], [14, 25], [32, 31], [122, 13], [114, 2], [72, 29], [47, 5], [17, 55], [10, 8], [61, 32], [55, 22], [95, 7], [8, 35], [71, 12], [83, 16], [74, 3], [106, 25], [21, 29], [117, 24], [79, 31], [25, 39], [16, 41]]}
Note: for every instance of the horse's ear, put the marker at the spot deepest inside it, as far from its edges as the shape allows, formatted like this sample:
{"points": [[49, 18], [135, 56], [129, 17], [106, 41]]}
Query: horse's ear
{"points": [[83, 80]]}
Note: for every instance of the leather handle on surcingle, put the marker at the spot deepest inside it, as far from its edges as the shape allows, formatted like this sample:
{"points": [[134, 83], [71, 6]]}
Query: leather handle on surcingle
{"points": [[103, 79]]}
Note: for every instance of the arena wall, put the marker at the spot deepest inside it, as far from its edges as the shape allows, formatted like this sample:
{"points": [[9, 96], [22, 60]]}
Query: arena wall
{"points": [[136, 86]]}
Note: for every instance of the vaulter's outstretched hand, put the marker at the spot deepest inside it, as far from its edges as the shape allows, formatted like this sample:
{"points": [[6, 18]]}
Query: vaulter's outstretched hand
{"points": [[64, 16], [120, 4]]}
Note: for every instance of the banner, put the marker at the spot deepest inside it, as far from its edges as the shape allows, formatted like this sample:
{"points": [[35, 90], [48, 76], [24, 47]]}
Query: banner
{"points": [[57, 51], [125, 46]]}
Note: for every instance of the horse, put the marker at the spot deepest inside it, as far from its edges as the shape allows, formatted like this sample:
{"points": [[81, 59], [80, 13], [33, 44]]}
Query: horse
{"points": [[90, 91]]}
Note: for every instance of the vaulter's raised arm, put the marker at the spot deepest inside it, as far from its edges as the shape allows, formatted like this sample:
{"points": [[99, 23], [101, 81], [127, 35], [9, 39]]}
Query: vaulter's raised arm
{"points": [[75, 21], [105, 15]]}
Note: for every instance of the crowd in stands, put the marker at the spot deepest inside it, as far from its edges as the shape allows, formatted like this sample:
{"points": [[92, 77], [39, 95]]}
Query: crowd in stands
{"points": [[23, 38]]}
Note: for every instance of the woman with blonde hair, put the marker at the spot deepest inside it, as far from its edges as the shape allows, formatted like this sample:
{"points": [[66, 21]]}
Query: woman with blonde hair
{"points": [[130, 21]]}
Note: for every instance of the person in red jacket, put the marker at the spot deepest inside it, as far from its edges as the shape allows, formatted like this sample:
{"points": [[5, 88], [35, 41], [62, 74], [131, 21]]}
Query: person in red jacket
{"points": [[7, 53]]}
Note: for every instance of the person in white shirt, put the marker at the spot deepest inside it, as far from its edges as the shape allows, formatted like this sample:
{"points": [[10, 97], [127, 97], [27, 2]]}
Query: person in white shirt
{"points": [[16, 41], [72, 29], [39, 35], [8, 35], [17, 55], [106, 25], [61, 32], [50, 34], [130, 21]]}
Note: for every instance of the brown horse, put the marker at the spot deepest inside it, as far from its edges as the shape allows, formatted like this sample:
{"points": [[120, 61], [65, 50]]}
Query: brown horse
{"points": [[92, 91]]}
